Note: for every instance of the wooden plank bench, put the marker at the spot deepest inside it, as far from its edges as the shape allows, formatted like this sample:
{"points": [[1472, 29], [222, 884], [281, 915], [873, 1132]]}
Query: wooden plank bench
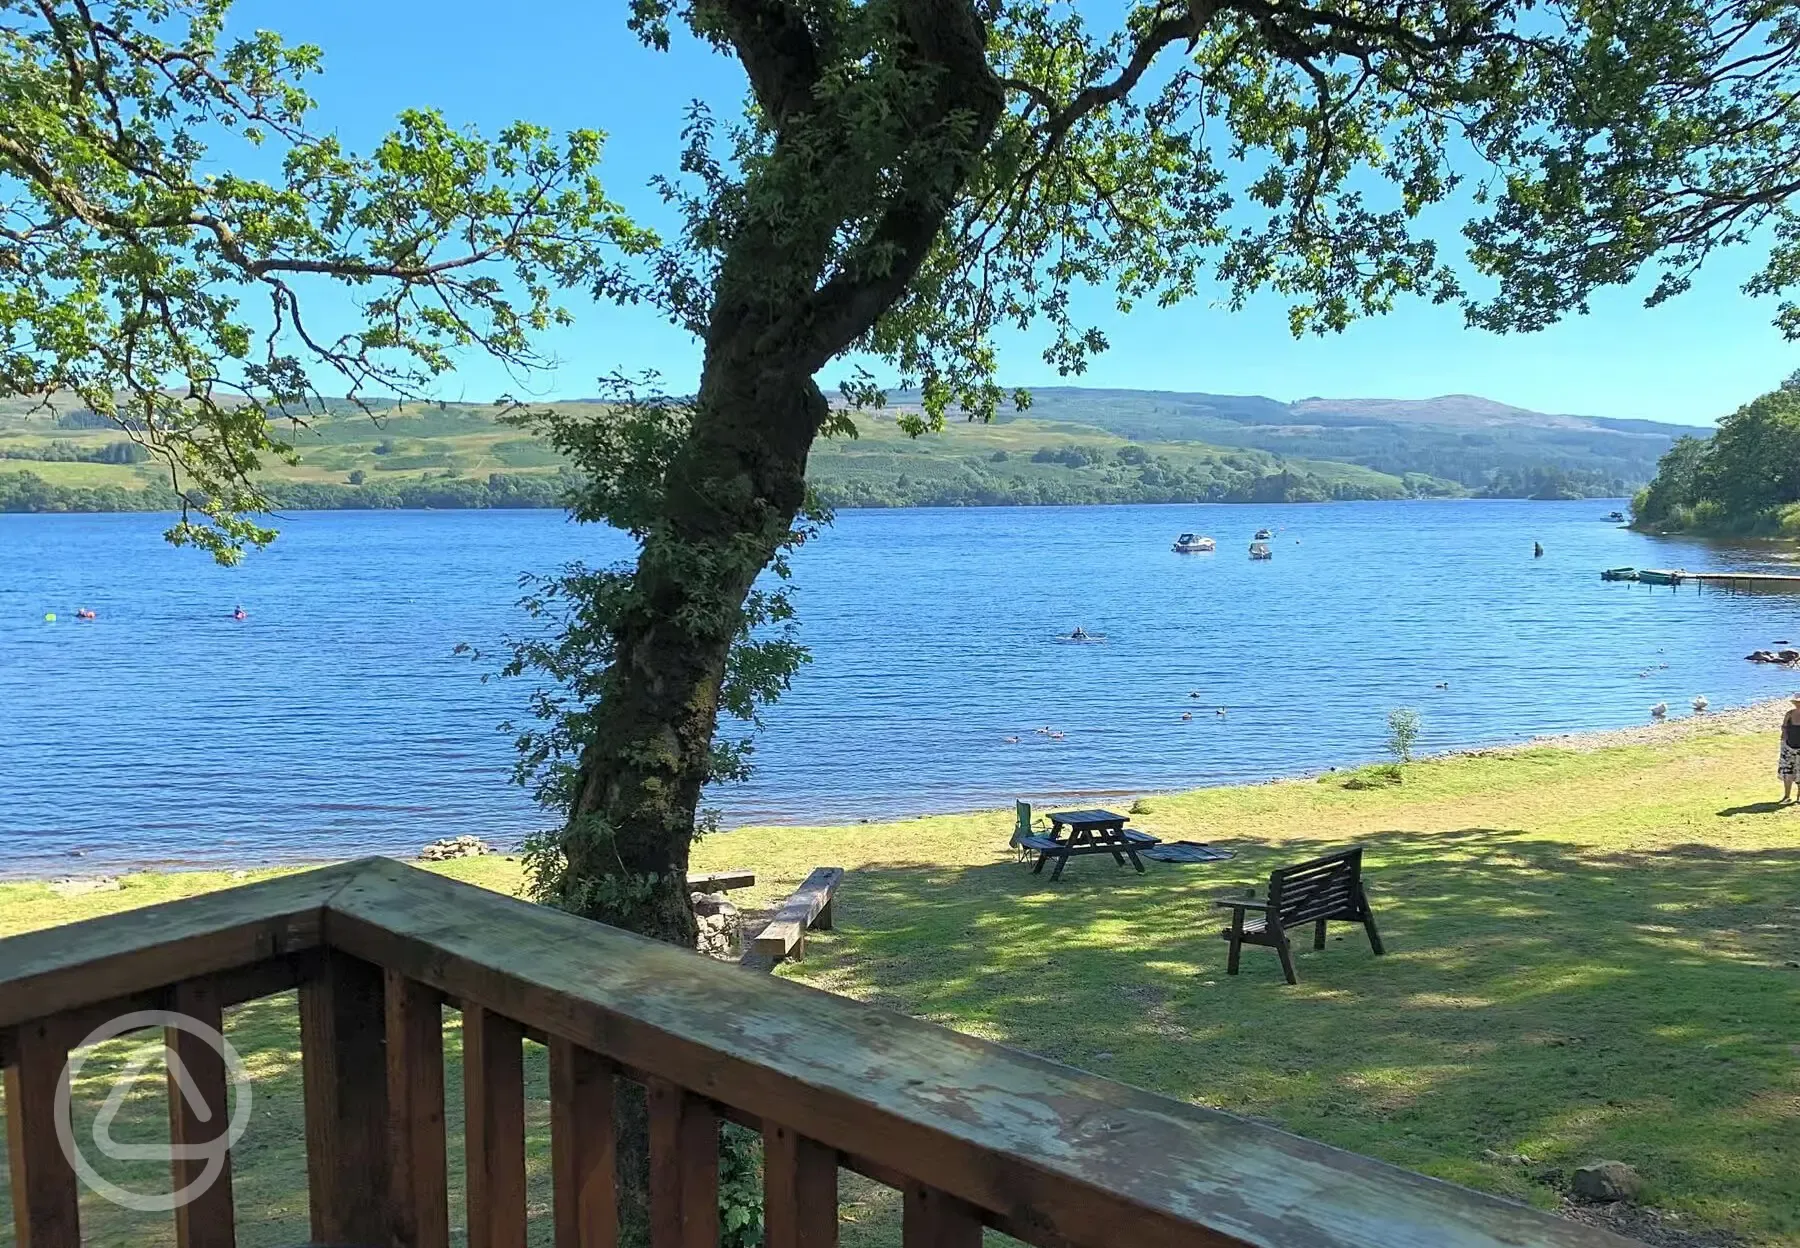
{"points": [[720, 881], [1317, 891], [810, 906]]}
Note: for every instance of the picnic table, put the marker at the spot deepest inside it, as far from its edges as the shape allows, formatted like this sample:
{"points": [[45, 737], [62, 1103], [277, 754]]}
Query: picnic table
{"points": [[1076, 832]]}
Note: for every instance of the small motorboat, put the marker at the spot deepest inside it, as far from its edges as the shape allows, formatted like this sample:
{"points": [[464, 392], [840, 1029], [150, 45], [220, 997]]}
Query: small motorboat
{"points": [[1193, 544], [1661, 576], [1617, 517], [1619, 574], [1260, 550], [1263, 535]]}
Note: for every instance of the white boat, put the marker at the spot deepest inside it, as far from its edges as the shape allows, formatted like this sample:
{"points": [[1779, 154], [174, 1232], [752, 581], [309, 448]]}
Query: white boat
{"points": [[1260, 550], [1193, 544]]}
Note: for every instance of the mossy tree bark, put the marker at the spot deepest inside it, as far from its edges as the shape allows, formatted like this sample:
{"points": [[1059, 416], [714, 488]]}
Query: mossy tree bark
{"points": [[787, 299]]}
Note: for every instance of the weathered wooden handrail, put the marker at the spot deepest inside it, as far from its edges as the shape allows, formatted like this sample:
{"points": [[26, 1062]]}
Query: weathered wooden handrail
{"points": [[972, 1133]]}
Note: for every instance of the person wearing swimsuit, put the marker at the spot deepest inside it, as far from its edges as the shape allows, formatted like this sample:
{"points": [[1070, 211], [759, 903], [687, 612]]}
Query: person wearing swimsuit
{"points": [[1789, 767]]}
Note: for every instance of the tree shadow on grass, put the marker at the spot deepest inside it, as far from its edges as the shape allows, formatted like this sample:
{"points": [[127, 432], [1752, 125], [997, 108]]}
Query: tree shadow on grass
{"points": [[1537, 998]]}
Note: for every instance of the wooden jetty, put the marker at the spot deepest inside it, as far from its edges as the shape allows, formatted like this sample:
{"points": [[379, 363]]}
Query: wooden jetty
{"points": [[1747, 580], [1751, 581]]}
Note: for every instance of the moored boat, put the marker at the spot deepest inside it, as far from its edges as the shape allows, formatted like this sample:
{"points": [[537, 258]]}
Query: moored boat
{"points": [[1263, 535], [1616, 516], [1260, 550], [1619, 574], [1660, 576], [1193, 544]]}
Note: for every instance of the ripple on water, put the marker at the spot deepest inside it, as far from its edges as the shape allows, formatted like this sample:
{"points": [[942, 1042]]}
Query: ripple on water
{"points": [[337, 720]]}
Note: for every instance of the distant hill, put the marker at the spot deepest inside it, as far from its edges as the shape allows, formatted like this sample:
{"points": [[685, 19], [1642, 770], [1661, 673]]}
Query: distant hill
{"points": [[1073, 445], [1477, 443]]}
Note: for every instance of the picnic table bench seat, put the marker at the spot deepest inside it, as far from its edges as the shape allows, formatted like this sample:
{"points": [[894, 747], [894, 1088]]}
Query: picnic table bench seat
{"points": [[1318, 891], [1043, 842]]}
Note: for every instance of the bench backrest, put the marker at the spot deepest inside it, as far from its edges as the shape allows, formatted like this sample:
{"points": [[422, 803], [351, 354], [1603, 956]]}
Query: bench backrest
{"points": [[1322, 888]]}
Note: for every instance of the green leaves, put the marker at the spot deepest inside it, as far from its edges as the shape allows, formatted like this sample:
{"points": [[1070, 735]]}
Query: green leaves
{"points": [[1739, 479], [1650, 135], [173, 300]]}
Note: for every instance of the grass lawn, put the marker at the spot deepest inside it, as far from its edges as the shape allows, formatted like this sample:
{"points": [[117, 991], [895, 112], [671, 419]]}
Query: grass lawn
{"points": [[1591, 954]]}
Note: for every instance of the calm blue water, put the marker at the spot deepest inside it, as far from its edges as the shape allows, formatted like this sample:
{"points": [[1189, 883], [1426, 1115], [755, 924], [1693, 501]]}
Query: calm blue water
{"points": [[336, 720]]}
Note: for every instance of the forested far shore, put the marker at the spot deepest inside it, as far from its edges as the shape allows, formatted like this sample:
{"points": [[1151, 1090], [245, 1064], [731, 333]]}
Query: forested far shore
{"points": [[26, 492], [1742, 481]]}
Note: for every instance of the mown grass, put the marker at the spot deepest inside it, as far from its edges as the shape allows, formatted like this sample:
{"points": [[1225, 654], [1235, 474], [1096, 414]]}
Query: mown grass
{"points": [[1591, 954]]}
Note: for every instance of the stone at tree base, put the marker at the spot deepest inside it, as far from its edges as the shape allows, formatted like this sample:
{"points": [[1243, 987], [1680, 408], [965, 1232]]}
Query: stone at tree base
{"points": [[712, 903], [1606, 1181], [718, 933]]}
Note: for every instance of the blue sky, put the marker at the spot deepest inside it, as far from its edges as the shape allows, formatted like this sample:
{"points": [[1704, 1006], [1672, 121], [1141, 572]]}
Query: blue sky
{"points": [[567, 65]]}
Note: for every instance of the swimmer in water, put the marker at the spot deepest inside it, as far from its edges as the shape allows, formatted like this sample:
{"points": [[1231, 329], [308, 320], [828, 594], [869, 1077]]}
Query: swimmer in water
{"points": [[238, 613]]}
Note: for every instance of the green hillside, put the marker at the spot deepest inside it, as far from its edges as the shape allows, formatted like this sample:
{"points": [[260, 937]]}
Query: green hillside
{"points": [[1072, 446], [1483, 446]]}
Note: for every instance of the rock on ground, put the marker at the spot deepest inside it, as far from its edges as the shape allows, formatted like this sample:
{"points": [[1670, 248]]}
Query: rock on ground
{"points": [[1606, 1181], [719, 923], [455, 847]]}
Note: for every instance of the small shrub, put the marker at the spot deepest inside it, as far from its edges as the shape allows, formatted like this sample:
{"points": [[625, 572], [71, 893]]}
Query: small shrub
{"points": [[1382, 776], [1403, 725], [358, 476], [740, 1188], [1143, 807]]}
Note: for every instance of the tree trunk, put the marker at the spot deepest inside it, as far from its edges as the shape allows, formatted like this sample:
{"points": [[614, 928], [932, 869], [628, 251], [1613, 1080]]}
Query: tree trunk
{"points": [[732, 496], [784, 304]]}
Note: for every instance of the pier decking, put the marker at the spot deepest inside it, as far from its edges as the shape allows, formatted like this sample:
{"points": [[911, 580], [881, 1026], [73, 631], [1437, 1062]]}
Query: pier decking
{"points": [[1751, 581]]}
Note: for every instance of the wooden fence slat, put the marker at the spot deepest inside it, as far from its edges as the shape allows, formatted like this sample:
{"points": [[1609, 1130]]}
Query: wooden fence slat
{"points": [[46, 1212], [583, 1156], [343, 1051], [420, 1206], [684, 1168], [494, 1127], [800, 1190], [934, 1219], [206, 1219]]}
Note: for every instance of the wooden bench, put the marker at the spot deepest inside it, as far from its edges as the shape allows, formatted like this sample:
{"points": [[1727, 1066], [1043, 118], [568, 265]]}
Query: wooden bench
{"points": [[810, 906], [1318, 891], [720, 881]]}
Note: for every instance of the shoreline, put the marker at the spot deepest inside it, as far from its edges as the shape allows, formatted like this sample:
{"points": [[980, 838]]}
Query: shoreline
{"points": [[1745, 720]]}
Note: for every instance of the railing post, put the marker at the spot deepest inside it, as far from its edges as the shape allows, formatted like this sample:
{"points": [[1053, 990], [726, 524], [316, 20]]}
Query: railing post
{"points": [[206, 1220], [934, 1219], [800, 1190], [46, 1211], [343, 1051], [415, 1083], [494, 1127], [684, 1168], [583, 1149]]}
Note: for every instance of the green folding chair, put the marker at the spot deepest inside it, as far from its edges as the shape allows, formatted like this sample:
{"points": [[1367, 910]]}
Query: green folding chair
{"points": [[1023, 830]]}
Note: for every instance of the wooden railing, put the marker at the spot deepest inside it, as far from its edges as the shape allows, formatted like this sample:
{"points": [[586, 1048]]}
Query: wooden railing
{"points": [[972, 1133]]}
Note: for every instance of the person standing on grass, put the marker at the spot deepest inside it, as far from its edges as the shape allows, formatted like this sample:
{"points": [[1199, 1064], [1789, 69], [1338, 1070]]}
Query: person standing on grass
{"points": [[1789, 767]]}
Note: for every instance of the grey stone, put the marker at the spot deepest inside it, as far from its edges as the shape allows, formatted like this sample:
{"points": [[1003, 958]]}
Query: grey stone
{"points": [[455, 847], [713, 904], [1606, 1181]]}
